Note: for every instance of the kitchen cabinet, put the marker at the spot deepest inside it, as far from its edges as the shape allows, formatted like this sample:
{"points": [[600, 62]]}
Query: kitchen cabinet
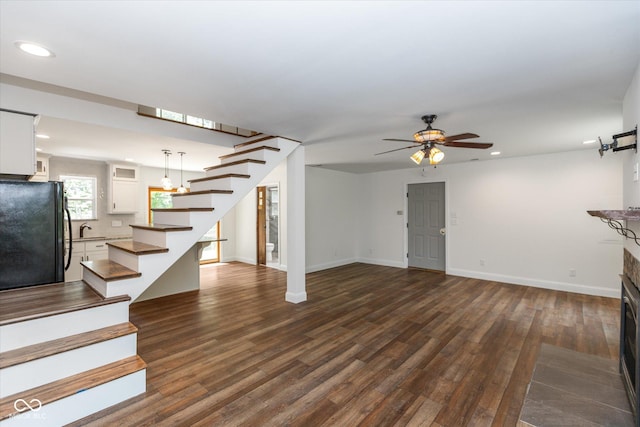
{"points": [[42, 169], [85, 251], [123, 189], [17, 143]]}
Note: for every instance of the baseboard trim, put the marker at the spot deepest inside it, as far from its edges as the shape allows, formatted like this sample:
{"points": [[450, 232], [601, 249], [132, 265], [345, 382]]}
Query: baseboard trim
{"points": [[295, 297], [537, 283]]}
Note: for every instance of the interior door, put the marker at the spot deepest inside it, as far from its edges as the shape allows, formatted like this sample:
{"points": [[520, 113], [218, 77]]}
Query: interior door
{"points": [[262, 225], [426, 226]]}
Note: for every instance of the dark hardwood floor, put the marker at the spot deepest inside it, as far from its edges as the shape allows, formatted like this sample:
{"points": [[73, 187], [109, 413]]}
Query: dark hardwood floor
{"points": [[373, 346]]}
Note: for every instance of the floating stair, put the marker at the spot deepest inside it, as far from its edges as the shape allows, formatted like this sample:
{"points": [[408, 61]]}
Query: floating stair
{"points": [[66, 352], [155, 247]]}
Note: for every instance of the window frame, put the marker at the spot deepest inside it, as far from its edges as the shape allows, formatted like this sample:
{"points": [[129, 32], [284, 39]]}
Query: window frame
{"points": [[93, 199]]}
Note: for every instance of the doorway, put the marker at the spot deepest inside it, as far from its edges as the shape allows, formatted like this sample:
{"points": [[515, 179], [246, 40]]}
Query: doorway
{"points": [[268, 226], [426, 226]]}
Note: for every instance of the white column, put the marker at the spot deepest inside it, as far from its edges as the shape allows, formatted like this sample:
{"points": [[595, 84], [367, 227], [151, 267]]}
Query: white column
{"points": [[296, 282]]}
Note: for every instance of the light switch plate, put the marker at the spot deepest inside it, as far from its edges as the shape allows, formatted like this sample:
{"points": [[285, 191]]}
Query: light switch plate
{"points": [[635, 172]]}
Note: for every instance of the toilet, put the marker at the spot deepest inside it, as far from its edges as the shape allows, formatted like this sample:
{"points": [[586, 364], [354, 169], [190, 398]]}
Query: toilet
{"points": [[269, 252]]}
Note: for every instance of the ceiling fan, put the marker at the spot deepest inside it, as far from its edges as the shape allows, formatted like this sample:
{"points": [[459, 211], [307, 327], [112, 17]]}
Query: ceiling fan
{"points": [[428, 138]]}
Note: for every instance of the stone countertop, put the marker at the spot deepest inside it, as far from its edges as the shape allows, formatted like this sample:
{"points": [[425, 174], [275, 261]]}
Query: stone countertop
{"points": [[618, 215], [96, 238]]}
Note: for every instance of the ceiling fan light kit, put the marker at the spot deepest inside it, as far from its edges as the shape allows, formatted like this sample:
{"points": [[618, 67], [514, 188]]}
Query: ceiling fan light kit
{"points": [[430, 136]]}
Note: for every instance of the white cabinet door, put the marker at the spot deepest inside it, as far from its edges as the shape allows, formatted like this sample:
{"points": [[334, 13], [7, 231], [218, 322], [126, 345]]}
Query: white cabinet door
{"points": [[17, 144], [75, 269], [95, 250], [124, 197]]}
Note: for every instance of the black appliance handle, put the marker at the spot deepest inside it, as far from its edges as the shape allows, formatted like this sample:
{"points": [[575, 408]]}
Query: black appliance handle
{"points": [[66, 209]]}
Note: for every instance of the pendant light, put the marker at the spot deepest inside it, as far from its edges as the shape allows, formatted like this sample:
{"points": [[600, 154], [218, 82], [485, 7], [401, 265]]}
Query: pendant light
{"points": [[182, 188], [166, 181]]}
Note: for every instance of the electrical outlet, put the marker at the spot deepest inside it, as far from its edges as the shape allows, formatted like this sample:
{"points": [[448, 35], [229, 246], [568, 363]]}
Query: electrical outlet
{"points": [[481, 263], [635, 172], [572, 272]]}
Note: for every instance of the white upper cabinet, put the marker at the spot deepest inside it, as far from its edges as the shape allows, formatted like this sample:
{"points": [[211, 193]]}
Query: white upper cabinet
{"points": [[123, 188], [17, 143]]}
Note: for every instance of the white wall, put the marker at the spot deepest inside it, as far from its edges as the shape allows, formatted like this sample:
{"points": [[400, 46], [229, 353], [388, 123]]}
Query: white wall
{"points": [[525, 217], [630, 119], [331, 206]]}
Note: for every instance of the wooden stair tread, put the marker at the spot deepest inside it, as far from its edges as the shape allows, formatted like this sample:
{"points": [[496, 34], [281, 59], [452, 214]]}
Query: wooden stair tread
{"points": [[22, 304], [162, 227], [226, 175], [182, 209], [239, 162], [69, 386], [138, 248], [265, 138], [60, 345], [109, 271], [250, 150], [195, 193]]}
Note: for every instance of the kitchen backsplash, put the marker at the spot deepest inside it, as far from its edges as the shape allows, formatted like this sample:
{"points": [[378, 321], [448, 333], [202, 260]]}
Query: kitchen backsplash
{"points": [[632, 268]]}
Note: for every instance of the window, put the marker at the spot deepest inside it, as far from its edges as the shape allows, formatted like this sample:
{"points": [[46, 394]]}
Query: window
{"points": [[161, 198], [81, 196]]}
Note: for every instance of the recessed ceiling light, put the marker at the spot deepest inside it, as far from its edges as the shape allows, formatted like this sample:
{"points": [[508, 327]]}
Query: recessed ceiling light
{"points": [[42, 136], [34, 49], [591, 141], [495, 153], [128, 159], [38, 149]]}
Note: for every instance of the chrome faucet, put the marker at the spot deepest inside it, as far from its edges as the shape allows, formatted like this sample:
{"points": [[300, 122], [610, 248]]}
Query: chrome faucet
{"points": [[82, 227]]}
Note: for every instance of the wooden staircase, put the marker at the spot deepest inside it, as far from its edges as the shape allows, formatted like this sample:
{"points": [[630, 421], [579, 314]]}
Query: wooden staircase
{"points": [[133, 266], [69, 355], [69, 361]]}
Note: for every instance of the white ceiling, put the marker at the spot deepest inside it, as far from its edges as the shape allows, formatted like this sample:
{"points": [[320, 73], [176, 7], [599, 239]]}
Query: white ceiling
{"points": [[531, 77]]}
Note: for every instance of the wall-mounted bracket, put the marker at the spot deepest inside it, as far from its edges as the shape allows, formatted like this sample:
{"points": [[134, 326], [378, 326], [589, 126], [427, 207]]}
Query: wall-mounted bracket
{"points": [[612, 219], [614, 145]]}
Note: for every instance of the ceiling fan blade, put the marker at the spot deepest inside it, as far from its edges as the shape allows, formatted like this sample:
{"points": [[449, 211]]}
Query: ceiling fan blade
{"points": [[401, 140], [468, 144], [397, 149], [460, 136]]}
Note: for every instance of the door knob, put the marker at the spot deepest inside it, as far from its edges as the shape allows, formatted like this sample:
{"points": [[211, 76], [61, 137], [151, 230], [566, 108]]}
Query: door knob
{"points": [[443, 231]]}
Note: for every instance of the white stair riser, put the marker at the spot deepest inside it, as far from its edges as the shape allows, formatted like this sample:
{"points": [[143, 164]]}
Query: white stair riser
{"points": [[209, 200], [254, 155], [96, 283], [125, 258], [35, 373], [22, 334], [267, 155], [273, 142], [80, 405], [180, 218], [214, 184], [150, 237], [242, 168]]}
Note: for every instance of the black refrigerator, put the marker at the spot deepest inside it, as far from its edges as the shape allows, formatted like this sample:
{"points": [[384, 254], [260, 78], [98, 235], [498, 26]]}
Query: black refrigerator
{"points": [[31, 233]]}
